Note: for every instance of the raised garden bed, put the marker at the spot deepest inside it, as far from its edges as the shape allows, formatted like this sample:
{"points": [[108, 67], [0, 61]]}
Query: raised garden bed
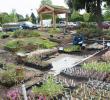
{"points": [[42, 66], [88, 69], [49, 89], [82, 74]]}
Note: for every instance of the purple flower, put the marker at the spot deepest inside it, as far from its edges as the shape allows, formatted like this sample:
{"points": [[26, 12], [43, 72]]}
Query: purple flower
{"points": [[13, 94]]}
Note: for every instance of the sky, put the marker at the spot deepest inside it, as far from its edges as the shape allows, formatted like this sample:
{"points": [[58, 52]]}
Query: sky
{"points": [[24, 7]]}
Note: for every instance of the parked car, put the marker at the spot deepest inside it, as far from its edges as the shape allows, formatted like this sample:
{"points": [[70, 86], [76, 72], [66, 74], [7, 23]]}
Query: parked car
{"points": [[11, 26], [108, 22], [62, 24], [76, 24], [28, 25], [105, 25], [1, 29]]}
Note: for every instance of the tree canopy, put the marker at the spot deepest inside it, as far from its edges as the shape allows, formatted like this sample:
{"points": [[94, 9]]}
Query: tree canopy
{"points": [[107, 14], [46, 2], [33, 18], [75, 16], [92, 6]]}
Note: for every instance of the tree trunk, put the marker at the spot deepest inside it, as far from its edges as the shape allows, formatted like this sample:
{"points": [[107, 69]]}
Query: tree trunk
{"points": [[99, 14]]}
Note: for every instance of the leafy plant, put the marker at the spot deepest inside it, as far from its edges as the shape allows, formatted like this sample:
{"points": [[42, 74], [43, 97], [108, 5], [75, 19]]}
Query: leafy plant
{"points": [[14, 45], [13, 94], [53, 31], [49, 88], [72, 48], [82, 73], [86, 93], [8, 78], [26, 33], [29, 44], [8, 75], [89, 32], [98, 66]]}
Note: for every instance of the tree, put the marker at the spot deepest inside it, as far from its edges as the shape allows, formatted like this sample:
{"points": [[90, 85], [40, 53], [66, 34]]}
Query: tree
{"points": [[5, 18], [107, 14], [13, 16], [46, 2], [19, 17], [33, 18], [86, 17], [27, 18], [75, 16], [92, 6], [70, 5]]}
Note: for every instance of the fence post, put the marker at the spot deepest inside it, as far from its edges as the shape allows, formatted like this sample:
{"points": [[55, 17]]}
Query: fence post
{"points": [[24, 91]]}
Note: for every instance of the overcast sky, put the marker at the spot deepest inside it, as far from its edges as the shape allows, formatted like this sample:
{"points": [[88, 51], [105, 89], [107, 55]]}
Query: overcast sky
{"points": [[24, 6]]}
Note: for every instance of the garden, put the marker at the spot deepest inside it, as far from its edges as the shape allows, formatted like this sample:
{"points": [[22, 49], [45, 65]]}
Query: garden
{"points": [[25, 57], [49, 63]]}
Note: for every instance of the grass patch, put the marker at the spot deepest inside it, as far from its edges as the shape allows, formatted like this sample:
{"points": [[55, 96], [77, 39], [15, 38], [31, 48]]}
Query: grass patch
{"points": [[29, 44]]}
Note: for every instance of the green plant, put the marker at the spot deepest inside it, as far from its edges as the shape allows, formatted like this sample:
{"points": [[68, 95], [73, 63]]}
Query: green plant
{"points": [[107, 31], [90, 93], [54, 31], [9, 75], [87, 25], [14, 45], [33, 59], [8, 78], [98, 66], [29, 44], [72, 48], [90, 32], [26, 33], [76, 16], [49, 88]]}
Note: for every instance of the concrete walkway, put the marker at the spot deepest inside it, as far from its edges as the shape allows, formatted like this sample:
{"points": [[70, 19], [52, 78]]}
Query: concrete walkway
{"points": [[64, 61]]}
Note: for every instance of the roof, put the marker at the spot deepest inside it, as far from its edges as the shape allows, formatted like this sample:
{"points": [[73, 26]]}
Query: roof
{"points": [[57, 7], [51, 8]]}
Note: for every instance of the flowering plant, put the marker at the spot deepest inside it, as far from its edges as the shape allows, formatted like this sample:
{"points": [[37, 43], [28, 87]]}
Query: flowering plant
{"points": [[13, 94]]}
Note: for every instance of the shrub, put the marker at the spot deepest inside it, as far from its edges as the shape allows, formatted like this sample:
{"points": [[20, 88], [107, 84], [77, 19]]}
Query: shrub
{"points": [[14, 45], [90, 32], [87, 25], [76, 16], [8, 75], [107, 32], [49, 88], [53, 31], [26, 33], [8, 78], [4, 36]]}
